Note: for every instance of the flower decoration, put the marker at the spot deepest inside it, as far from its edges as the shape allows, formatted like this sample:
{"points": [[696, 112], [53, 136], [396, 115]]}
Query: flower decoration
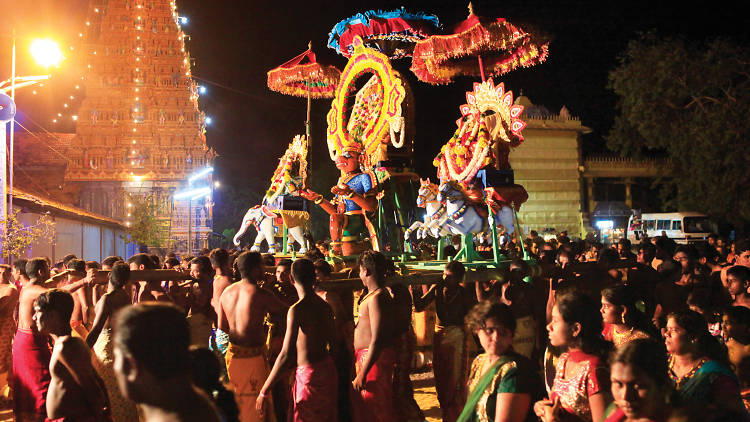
{"points": [[377, 106], [285, 179], [471, 147]]}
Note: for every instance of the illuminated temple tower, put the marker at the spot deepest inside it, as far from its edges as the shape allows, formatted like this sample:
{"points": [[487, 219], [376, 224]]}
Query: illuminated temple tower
{"points": [[139, 130]]}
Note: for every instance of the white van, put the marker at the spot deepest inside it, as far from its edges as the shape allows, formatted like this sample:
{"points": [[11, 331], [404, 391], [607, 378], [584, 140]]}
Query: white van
{"points": [[682, 227]]}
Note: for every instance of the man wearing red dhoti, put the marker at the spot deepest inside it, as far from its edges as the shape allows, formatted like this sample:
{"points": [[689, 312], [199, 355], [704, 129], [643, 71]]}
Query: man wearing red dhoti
{"points": [[31, 378], [31, 351], [373, 341], [311, 331], [314, 392]]}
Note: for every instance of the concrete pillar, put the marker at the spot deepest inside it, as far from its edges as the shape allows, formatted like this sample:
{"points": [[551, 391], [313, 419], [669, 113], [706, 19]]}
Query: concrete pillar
{"points": [[628, 192], [590, 193]]}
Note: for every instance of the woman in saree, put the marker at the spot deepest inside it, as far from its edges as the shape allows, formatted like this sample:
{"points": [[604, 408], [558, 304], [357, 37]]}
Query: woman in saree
{"points": [[581, 385], [699, 367], [623, 321], [640, 386], [502, 383]]}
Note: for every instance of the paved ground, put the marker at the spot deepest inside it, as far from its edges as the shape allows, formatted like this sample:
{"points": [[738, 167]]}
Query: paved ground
{"points": [[424, 393]]}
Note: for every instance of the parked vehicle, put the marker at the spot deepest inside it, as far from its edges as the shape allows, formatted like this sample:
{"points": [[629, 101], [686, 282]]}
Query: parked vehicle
{"points": [[683, 227]]}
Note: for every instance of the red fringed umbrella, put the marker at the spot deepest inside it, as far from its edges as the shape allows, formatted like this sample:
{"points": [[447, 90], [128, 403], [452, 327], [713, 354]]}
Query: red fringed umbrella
{"points": [[303, 76], [475, 46]]}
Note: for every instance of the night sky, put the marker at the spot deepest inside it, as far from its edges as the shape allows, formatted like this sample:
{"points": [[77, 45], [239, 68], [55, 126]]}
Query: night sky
{"points": [[234, 44]]}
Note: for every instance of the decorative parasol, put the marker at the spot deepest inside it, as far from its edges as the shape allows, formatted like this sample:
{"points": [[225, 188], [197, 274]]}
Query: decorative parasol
{"points": [[476, 45], [392, 33], [303, 76]]}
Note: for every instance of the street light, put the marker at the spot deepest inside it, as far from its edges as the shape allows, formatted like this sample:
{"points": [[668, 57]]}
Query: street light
{"points": [[47, 53], [193, 194]]}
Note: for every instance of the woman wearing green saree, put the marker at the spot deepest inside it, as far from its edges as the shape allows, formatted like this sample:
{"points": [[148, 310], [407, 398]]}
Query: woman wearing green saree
{"points": [[699, 365], [502, 383]]}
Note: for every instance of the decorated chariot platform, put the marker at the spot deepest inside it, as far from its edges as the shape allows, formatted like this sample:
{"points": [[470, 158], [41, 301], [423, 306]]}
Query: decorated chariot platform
{"points": [[378, 201]]}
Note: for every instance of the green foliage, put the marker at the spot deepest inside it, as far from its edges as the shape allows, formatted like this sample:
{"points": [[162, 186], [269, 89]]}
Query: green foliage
{"points": [[148, 225], [20, 237], [691, 102], [232, 203]]}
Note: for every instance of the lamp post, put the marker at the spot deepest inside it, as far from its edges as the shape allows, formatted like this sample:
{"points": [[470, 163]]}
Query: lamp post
{"points": [[46, 53], [7, 111]]}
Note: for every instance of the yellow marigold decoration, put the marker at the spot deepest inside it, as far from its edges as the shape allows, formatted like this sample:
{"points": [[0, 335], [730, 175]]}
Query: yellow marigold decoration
{"points": [[378, 107]]}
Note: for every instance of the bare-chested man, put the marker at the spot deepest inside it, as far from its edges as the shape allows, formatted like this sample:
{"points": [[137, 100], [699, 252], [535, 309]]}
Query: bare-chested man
{"points": [[81, 319], [75, 392], [19, 273], [310, 331], [31, 353], [8, 302], [242, 309], [100, 339], [146, 291], [373, 344], [342, 304], [223, 278], [283, 288], [201, 314], [152, 364]]}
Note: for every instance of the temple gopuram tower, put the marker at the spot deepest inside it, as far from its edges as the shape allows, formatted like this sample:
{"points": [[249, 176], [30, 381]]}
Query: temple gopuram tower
{"points": [[139, 130]]}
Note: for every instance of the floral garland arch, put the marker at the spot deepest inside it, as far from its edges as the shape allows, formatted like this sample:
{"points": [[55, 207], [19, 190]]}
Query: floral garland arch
{"points": [[376, 116]]}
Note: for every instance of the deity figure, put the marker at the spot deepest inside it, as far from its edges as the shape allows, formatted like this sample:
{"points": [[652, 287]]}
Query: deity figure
{"points": [[94, 116], [181, 117], [162, 116], [353, 197]]}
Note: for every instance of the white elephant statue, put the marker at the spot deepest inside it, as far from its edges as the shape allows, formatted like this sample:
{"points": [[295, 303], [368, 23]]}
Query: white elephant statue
{"points": [[263, 218]]}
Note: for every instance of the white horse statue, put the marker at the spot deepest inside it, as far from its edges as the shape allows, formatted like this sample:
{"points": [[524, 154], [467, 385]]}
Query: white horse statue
{"points": [[434, 213], [462, 218], [263, 218]]}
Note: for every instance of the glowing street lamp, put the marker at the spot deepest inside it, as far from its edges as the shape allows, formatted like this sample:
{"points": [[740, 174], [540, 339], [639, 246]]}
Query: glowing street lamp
{"points": [[46, 52]]}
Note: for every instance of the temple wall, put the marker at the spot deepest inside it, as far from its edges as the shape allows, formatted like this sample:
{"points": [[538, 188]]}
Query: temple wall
{"points": [[89, 241], [547, 164]]}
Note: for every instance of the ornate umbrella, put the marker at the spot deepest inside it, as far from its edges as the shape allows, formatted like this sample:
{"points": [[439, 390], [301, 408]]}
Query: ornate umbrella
{"points": [[392, 33], [303, 76], [474, 46]]}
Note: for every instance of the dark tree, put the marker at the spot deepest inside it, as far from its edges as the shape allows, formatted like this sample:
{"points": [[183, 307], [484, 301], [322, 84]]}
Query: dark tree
{"points": [[690, 101]]}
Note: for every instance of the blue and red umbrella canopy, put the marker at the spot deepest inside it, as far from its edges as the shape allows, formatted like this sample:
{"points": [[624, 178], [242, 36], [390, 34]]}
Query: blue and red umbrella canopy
{"points": [[393, 33]]}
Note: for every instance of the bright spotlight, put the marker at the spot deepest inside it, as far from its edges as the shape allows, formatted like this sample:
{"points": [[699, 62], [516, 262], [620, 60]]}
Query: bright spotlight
{"points": [[208, 120], [200, 173], [183, 20], [202, 89], [46, 52]]}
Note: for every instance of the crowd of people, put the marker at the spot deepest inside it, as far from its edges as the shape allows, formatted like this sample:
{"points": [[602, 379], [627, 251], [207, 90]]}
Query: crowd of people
{"points": [[655, 331]]}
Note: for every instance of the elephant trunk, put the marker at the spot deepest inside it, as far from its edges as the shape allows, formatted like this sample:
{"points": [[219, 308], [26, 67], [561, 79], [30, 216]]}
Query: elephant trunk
{"points": [[245, 224]]}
